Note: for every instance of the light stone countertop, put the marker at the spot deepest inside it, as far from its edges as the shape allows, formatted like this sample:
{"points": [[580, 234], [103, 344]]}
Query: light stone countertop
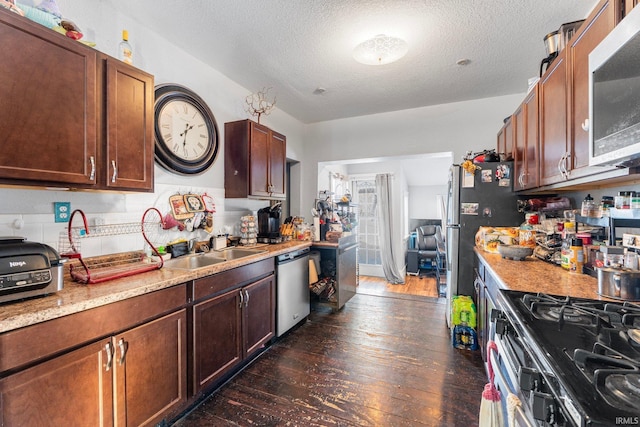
{"points": [[75, 297], [534, 275]]}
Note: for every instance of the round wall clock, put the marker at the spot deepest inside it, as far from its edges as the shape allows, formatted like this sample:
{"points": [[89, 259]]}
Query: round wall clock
{"points": [[186, 133]]}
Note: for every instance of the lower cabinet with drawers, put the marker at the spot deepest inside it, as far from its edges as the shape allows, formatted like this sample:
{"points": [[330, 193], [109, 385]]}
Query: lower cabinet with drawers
{"points": [[119, 364]]}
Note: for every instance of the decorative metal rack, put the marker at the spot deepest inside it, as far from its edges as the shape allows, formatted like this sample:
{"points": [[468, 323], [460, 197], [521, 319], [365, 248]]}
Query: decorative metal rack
{"points": [[100, 272]]}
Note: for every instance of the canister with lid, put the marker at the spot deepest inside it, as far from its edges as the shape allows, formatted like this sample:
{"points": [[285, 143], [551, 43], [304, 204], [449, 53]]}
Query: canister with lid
{"points": [[576, 257], [588, 207]]}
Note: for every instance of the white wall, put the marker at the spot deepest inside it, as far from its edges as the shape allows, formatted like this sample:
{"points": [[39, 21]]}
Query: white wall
{"points": [[457, 127], [423, 201]]}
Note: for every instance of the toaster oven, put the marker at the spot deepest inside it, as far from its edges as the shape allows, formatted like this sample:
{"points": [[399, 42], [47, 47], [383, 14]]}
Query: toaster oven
{"points": [[28, 269]]}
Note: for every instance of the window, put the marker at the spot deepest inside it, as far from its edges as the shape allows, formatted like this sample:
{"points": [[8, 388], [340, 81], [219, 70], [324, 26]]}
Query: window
{"points": [[365, 198]]}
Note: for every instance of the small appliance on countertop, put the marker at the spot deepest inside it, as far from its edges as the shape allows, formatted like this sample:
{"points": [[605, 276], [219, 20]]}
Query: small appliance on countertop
{"points": [[269, 224], [28, 269]]}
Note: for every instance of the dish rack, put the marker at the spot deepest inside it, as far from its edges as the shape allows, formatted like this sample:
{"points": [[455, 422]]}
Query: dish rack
{"points": [[122, 266]]}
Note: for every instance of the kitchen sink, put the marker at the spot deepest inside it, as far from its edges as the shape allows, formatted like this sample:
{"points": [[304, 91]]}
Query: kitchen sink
{"points": [[235, 253], [195, 261], [192, 262]]}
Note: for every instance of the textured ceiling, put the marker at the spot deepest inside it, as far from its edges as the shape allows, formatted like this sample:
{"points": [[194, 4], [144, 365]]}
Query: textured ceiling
{"points": [[296, 46]]}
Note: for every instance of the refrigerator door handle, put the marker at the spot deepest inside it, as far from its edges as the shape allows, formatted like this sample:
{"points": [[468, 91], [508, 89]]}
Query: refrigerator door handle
{"points": [[453, 225]]}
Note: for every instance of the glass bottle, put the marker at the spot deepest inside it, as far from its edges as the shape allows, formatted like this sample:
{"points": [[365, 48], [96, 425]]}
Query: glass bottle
{"points": [[125, 52], [588, 207]]}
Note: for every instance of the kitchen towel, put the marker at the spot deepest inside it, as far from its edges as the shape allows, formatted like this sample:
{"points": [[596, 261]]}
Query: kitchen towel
{"points": [[490, 406]]}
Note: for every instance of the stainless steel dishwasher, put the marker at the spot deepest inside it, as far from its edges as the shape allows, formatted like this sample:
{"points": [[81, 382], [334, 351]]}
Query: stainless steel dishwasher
{"points": [[292, 284]]}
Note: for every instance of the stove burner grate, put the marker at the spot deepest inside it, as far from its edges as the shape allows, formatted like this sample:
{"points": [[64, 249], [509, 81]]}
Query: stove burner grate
{"points": [[634, 335], [624, 387], [569, 314]]}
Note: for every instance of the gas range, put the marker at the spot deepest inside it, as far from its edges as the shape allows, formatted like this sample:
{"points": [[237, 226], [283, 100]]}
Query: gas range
{"points": [[574, 362]]}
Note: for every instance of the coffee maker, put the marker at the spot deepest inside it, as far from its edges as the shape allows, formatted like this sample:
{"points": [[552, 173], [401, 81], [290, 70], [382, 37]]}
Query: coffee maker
{"points": [[552, 46], [555, 41], [269, 224]]}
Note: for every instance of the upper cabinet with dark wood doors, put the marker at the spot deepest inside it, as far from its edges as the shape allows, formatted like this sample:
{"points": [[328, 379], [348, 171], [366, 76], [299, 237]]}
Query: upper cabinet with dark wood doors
{"points": [[505, 138], [255, 161], [563, 103], [595, 28], [525, 135], [72, 116]]}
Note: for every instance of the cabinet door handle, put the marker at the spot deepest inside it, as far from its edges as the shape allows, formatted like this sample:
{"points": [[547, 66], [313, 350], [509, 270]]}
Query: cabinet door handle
{"points": [[124, 346], [115, 171], [564, 165], [585, 125], [246, 301], [241, 299], [92, 174], [560, 166], [109, 349]]}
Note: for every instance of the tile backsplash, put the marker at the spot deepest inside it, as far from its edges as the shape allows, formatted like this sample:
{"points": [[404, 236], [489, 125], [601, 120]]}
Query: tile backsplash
{"points": [[30, 214]]}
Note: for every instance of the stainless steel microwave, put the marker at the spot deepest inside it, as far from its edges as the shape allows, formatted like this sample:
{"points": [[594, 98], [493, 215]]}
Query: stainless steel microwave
{"points": [[614, 96]]}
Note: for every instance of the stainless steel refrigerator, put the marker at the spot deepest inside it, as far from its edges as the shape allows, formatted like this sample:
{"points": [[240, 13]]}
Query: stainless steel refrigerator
{"points": [[485, 198]]}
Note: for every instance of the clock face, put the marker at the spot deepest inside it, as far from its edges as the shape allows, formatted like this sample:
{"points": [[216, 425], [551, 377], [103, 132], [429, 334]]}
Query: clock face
{"points": [[185, 130]]}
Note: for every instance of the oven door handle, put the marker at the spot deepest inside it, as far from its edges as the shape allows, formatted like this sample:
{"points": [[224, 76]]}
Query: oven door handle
{"points": [[493, 354]]}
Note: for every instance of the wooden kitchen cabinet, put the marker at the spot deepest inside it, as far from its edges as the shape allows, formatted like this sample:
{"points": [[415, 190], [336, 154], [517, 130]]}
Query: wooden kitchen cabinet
{"points": [[134, 375], [73, 389], [150, 370], [505, 139], [234, 323], [49, 90], [128, 149], [629, 5], [564, 101], [75, 115], [526, 142], [554, 135], [255, 161], [599, 23]]}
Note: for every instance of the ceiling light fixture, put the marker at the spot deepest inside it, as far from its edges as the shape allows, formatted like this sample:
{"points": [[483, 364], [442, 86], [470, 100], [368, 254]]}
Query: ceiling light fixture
{"points": [[380, 50]]}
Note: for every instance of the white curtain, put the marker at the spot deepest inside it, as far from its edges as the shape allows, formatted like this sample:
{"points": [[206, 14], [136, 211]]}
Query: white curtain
{"points": [[392, 257]]}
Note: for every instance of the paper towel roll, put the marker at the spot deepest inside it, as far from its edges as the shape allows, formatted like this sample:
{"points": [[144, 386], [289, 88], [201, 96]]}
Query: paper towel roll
{"points": [[316, 229], [313, 274]]}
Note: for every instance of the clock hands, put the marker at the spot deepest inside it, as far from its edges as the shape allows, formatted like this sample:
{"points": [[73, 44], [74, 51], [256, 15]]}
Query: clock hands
{"points": [[184, 141], [188, 128]]}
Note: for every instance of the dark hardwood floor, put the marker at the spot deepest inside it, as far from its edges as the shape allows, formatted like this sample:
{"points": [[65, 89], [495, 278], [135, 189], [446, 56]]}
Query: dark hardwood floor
{"points": [[383, 360]]}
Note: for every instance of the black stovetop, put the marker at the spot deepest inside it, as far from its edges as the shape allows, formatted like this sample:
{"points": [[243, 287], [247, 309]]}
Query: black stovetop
{"points": [[593, 348]]}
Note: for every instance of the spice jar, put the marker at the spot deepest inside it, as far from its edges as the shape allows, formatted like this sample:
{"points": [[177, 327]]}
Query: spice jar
{"points": [[576, 257], [623, 199], [589, 207], [606, 204]]}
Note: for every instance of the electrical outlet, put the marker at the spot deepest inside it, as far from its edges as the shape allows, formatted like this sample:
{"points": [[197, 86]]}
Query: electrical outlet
{"points": [[62, 211]]}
